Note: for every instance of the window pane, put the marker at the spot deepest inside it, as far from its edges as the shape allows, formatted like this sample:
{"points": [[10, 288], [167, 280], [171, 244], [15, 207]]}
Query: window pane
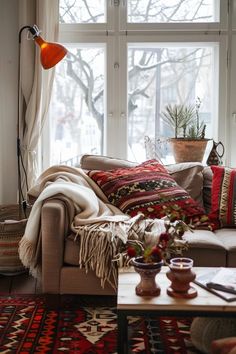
{"points": [[77, 107], [175, 11], [82, 11], [166, 75]]}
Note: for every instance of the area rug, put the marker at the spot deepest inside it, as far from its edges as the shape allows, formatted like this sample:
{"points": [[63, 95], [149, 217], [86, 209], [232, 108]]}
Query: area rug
{"points": [[28, 326]]}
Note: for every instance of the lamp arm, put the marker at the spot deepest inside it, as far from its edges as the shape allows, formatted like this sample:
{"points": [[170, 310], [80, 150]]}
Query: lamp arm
{"points": [[21, 30], [34, 30]]}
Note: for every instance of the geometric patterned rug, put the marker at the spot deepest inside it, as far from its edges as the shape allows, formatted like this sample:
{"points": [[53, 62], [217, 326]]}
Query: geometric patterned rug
{"points": [[28, 326]]}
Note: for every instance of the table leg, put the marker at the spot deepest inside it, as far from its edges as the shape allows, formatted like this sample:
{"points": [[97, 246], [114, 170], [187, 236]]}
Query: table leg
{"points": [[122, 327]]}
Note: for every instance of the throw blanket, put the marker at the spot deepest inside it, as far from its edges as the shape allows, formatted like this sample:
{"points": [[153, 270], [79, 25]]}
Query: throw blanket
{"points": [[92, 218]]}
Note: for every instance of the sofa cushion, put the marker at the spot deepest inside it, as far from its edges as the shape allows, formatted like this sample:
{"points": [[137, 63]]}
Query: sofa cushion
{"points": [[227, 236], [203, 239], [223, 198], [145, 189], [205, 248]]}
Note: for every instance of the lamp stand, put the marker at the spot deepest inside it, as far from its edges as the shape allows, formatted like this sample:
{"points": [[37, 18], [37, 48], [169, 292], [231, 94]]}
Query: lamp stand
{"points": [[21, 200], [51, 54]]}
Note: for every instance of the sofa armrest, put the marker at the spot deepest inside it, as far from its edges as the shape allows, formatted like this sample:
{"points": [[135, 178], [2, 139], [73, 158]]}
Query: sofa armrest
{"points": [[53, 226], [224, 346]]}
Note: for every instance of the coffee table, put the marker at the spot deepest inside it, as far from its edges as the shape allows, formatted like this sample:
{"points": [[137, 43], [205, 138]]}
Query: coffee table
{"points": [[129, 304]]}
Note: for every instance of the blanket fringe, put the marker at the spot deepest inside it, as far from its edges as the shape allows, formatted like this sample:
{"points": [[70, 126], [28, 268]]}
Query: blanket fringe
{"points": [[96, 253], [101, 244], [27, 257]]}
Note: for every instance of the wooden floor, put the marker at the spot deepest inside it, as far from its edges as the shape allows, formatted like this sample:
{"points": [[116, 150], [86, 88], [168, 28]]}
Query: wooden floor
{"points": [[19, 284], [24, 284]]}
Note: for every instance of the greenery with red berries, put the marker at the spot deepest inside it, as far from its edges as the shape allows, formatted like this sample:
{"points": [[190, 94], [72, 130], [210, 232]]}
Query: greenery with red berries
{"points": [[169, 242]]}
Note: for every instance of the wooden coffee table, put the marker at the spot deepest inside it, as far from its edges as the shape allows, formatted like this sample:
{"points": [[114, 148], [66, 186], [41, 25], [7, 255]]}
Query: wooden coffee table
{"points": [[129, 304]]}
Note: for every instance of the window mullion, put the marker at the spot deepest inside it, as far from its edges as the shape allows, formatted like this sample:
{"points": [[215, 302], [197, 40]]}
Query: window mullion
{"points": [[112, 109], [110, 15], [116, 89], [123, 15], [123, 94]]}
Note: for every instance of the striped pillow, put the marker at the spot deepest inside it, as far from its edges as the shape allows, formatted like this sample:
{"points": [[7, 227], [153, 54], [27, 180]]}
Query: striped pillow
{"points": [[145, 188], [223, 197]]}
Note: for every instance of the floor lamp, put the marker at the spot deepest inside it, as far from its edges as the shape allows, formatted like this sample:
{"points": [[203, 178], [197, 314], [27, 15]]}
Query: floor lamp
{"points": [[50, 55]]}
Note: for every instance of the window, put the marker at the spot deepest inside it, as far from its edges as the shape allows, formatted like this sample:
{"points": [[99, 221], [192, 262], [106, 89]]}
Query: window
{"points": [[127, 60], [169, 74], [172, 11], [77, 11], [77, 107]]}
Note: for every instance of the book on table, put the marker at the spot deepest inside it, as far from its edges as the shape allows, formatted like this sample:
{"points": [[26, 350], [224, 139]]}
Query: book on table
{"points": [[220, 281]]}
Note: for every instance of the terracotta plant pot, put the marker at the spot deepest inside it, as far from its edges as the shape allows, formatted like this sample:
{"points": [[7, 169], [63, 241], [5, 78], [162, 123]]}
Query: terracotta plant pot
{"points": [[186, 150], [147, 271]]}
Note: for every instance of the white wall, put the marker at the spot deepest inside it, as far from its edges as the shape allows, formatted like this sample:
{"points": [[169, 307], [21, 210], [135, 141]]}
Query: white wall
{"points": [[8, 99]]}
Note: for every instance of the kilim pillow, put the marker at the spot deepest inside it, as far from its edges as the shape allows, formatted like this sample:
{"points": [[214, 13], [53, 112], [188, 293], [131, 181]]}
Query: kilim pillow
{"points": [[223, 197], [145, 189]]}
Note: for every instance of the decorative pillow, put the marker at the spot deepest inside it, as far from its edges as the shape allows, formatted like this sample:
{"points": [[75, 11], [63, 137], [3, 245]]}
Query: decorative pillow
{"points": [[223, 197], [145, 189], [189, 175], [207, 187]]}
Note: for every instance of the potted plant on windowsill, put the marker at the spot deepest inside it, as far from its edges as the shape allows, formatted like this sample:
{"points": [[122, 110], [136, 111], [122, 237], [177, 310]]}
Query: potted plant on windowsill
{"points": [[189, 142]]}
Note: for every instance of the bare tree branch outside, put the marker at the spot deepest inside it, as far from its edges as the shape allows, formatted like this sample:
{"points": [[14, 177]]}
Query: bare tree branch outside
{"points": [[158, 74]]}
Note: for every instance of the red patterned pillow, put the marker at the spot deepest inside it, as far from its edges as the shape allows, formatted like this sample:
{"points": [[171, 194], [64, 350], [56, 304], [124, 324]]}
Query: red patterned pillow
{"points": [[145, 189], [223, 197]]}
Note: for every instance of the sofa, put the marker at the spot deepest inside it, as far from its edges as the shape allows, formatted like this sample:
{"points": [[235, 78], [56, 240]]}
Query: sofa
{"points": [[61, 273]]}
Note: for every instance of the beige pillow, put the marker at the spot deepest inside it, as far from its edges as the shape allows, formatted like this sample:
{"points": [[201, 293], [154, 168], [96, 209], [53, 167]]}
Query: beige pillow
{"points": [[190, 177], [104, 163]]}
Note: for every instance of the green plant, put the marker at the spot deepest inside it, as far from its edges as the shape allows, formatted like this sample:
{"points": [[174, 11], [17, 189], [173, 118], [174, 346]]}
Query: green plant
{"points": [[185, 121]]}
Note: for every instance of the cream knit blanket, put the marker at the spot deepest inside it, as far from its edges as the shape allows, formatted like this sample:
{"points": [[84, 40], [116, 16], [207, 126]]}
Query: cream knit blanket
{"points": [[99, 227]]}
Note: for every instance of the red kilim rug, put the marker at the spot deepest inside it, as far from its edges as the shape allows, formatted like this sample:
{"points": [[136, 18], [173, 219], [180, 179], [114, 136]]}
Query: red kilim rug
{"points": [[27, 326]]}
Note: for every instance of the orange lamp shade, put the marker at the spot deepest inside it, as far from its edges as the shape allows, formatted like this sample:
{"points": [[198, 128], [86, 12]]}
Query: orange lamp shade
{"points": [[51, 53]]}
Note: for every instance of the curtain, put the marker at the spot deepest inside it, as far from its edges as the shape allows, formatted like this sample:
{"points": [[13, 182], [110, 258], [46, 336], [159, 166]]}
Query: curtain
{"points": [[35, 82]]}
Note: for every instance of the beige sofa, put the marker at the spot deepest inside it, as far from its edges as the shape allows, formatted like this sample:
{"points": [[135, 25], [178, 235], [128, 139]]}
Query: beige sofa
{"points": [[60, 269]]}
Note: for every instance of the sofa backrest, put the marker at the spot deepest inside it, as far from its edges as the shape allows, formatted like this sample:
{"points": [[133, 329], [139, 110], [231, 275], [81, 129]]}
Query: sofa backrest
{"points": [[104, 163]]}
